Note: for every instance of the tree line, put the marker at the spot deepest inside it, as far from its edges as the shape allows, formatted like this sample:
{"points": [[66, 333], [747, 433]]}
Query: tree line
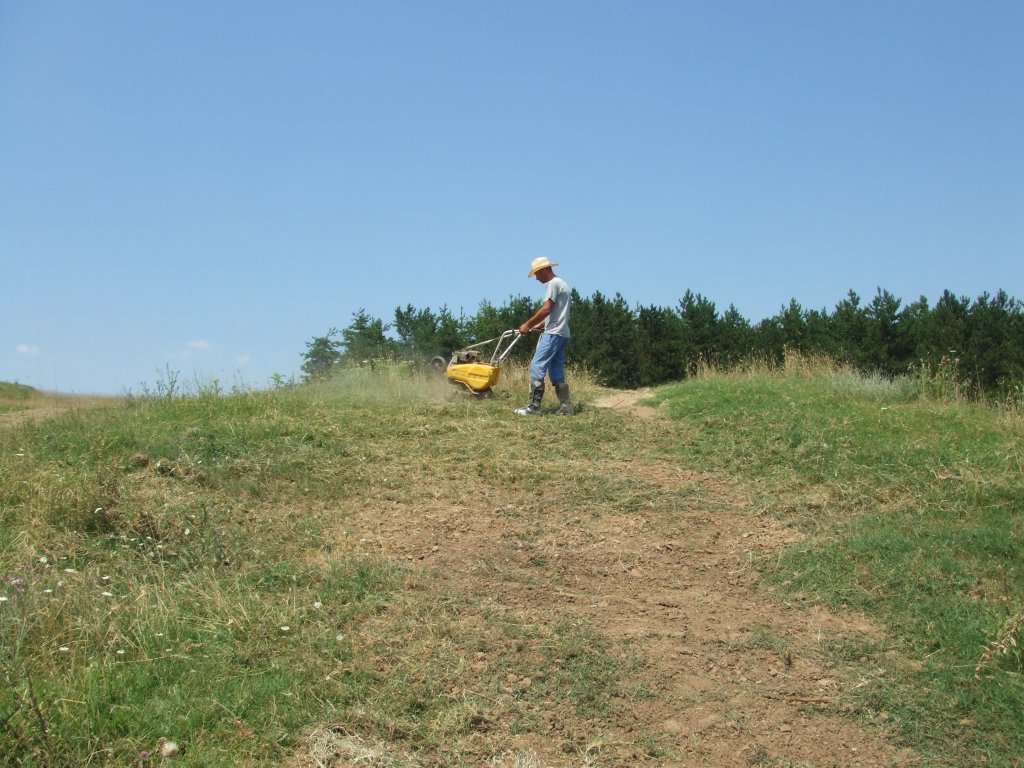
{"points": [[645, 345]]}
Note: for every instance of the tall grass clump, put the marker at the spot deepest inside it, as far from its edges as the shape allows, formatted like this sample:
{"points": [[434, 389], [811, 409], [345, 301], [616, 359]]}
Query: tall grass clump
{"points": [[942, 381], [912, 499]]}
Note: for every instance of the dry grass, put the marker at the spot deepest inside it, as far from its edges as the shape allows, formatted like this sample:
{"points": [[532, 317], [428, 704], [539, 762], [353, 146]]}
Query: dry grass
{"points": [[333, 748], [399, 383], [18, 404], [1008, 644]]}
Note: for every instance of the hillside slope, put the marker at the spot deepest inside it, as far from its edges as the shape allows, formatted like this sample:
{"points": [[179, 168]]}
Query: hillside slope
{"points": [[382, 572]]}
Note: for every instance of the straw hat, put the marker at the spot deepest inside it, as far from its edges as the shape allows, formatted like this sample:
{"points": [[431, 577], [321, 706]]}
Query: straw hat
{"points": [[540, 263]]}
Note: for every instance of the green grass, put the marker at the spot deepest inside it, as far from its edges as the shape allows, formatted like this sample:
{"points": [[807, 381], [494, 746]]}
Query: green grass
{"points": [[15, 397], [154, 588], [11, 391], [914, 510], [173, 566]]}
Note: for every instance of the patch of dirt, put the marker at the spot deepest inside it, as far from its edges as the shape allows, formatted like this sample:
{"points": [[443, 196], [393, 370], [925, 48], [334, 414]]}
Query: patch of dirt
{"points": [[731, 674], [628, 401]]}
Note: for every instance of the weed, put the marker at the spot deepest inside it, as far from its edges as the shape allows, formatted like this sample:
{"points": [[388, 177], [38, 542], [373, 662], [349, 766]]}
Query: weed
{"points": [[942, 381]]}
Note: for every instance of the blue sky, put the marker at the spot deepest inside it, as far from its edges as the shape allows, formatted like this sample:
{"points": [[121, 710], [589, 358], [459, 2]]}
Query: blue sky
{"points": [[203, 187]]}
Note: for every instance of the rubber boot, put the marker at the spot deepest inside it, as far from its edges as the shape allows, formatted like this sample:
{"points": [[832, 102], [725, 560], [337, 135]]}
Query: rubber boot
{"points": [[562, 390], [536, 395]]}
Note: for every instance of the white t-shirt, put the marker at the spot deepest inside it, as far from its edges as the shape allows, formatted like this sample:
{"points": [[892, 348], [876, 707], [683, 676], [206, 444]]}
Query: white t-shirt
{"points": [[558, 291]]}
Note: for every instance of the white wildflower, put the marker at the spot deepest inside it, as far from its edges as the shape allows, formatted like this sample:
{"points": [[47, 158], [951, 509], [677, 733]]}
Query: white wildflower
{"points": [[168, 749]]}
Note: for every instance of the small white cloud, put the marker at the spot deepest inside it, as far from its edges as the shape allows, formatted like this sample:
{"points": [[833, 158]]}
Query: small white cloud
{"points": [[27, 349], [243, 359], [200, 344]]}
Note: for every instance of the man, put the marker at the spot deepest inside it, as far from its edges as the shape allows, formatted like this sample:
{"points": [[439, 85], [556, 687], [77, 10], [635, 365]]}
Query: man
{"points": [[549, 359]]}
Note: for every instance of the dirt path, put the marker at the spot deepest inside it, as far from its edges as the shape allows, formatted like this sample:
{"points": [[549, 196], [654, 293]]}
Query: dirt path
{"points": [[629, 401], [734, 676]]}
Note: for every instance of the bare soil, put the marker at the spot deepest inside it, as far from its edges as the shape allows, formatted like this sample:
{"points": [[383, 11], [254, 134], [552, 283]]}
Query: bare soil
{"points": [[732, 675], [629, 401]]}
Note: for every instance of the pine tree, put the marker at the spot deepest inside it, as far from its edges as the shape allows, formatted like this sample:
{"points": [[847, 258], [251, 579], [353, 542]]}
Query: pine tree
{"points": [[886, 347], [364, 339], [735, 337], [321, 355], [659, 346], [699, 338]]}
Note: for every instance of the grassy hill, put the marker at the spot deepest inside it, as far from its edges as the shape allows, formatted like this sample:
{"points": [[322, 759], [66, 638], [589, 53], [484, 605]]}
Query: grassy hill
{"points": [[20, 400], [15, 397], [786, 567]]}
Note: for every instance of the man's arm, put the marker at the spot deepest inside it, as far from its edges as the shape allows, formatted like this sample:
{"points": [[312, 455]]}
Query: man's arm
{"points": [[535, 322]]}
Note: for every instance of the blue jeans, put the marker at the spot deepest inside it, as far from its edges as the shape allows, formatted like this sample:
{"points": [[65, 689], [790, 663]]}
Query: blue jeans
{"points": [[549, 358]]}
